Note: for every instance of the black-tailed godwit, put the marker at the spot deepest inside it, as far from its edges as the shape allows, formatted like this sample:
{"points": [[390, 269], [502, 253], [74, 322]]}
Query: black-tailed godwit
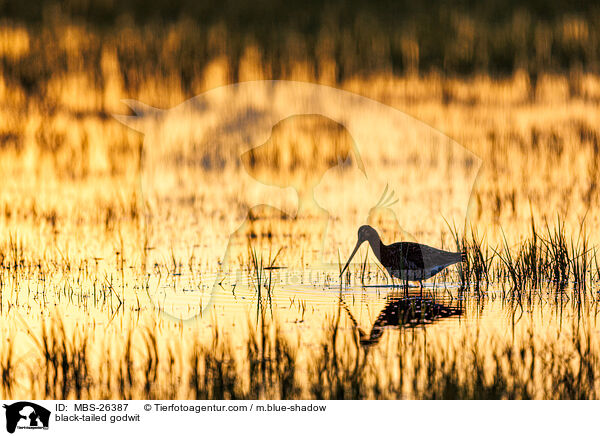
{"points": [[406, 260]]}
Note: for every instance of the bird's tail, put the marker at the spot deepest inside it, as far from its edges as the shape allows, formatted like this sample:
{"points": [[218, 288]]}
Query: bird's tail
{"points": [[463, 256]]}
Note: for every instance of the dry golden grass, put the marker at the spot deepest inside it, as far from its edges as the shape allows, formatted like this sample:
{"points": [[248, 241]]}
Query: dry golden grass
{"points": [[75, 232]]}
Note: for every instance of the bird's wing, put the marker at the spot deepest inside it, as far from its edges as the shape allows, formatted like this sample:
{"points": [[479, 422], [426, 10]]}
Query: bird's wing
{"points": [[433, 257], [419, 256], [405, 255]]}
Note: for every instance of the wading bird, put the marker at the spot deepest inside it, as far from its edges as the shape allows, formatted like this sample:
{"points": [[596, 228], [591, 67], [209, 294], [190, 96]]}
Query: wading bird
{"points": [[406, 260]]}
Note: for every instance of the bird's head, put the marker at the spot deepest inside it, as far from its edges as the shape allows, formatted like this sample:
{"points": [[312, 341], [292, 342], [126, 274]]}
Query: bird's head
{"points": [[365, 233]]}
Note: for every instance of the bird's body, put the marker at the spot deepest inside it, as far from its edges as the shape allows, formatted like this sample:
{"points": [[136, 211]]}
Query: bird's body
{"points": [[415, 262], [406, 260]]}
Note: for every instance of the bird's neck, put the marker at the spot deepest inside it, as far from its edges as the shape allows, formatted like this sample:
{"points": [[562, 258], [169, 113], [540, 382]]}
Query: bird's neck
{"points": [[377, 246]]}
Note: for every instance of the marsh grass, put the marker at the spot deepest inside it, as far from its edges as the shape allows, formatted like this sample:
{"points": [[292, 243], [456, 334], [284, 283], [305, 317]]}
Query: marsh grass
{"points": [[263, 283], [541, 260], [269, 367], [74, 234], [76, 362]]}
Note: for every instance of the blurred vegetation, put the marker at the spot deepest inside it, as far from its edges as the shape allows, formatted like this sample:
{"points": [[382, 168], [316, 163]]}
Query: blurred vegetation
{"points": [[267, 366], [180, 37], [70, 201]]}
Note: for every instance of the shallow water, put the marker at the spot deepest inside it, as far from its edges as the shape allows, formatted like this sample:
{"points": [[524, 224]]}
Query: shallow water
{"points": [[303, 307], [438, 323]]}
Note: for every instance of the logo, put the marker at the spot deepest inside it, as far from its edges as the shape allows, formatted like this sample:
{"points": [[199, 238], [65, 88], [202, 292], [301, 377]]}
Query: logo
{"points": [[287, 147], [26, 415]]}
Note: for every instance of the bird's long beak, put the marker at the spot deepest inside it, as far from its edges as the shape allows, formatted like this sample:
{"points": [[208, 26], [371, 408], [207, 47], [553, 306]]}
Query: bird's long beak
{"points": [[351, 256]]}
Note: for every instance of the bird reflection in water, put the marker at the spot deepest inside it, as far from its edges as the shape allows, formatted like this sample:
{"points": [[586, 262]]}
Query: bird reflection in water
{"points": [[411, 311]]}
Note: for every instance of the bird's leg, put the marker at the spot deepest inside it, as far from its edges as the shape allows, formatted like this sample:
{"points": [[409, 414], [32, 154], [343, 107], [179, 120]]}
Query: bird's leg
{"points": [[421, 283]]}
